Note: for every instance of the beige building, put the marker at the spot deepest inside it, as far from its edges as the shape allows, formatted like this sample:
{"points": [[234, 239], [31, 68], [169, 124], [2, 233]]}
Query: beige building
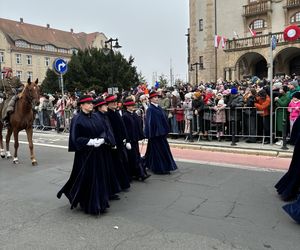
{"points": [[243, 55], [29, 50]]}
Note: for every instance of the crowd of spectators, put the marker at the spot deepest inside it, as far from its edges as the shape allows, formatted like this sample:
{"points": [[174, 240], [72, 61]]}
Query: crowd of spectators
{"points": [[240, 107]]}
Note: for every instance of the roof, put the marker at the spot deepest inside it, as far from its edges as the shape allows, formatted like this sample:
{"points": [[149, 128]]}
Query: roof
{"points": [[40, 35]]}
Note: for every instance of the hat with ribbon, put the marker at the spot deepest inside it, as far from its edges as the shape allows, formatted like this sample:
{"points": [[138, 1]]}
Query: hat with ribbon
{"points": [[99, 102], [84, 99], [153, 94], [128, 102], [111, 98]]}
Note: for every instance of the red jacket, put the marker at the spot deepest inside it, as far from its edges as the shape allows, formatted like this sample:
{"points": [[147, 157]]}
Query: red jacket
{"points": [[263, 105]]}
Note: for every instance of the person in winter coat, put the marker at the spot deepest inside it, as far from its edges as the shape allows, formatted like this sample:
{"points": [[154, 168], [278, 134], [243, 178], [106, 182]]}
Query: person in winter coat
{"points": [[262, 105], [188, 112], [294, 109], [220, 117]]}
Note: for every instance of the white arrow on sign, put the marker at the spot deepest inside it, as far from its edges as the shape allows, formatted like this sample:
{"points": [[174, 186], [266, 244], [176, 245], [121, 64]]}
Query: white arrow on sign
{"points": [[61, 65]]}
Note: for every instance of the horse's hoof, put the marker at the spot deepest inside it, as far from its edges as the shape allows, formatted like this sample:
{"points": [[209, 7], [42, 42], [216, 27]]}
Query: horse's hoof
{"points": [[34, 163], [2, 155], [16, 161]]}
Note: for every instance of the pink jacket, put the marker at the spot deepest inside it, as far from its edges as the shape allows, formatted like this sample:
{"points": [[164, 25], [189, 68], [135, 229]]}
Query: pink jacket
{"points": [[294, 109]]}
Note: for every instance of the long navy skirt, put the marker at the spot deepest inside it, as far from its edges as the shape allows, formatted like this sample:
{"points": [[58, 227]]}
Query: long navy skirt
{"points": [[158, 157], [293, 210], [288, 186]]}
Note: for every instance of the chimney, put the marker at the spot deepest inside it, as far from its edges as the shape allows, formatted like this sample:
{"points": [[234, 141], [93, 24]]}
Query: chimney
{"points": [[71, 30], [48, 26], [21, 20]]}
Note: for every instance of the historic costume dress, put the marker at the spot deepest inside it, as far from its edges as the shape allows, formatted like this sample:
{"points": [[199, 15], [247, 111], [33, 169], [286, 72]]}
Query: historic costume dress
{"points": [[288, 186], [87, 185], [119, 154], [158, 157], [135, 133]]}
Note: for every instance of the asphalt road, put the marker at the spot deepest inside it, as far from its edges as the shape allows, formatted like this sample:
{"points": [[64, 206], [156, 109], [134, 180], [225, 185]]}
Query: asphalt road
{"points": [[199, 206]]}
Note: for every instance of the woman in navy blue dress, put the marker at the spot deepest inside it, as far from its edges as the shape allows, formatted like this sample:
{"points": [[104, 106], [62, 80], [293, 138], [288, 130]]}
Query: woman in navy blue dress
{"points": [[87, 185], [158, 157]]}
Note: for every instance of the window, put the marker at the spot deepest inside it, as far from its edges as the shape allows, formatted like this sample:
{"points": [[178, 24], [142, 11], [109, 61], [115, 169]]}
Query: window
{"points": [[34, 46], [201, 62], [29, 75], [18, 59], [258, 24], [29, 59], [47, 61], [19, 74], [22, 44], [50, 47], [200, 24], [62, 51], [1, 57], [295, 18]]}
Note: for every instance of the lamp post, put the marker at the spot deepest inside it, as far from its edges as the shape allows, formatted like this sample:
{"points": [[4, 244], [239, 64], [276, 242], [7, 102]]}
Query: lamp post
{"points": [[109, 50], [196, 64]]}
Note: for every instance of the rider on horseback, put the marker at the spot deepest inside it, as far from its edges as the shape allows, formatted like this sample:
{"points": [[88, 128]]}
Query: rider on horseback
{"points": [[10, 87]]}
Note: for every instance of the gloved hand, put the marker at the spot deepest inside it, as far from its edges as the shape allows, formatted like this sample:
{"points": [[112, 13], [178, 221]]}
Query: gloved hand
{"points": [[1, 100], [99, 142], [91, 142], [124, 141], [128, 145]]}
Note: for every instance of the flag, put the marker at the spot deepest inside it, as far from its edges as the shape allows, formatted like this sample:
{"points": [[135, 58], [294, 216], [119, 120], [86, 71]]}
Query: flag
{"points": [[236, 34], [223, 41], [252, 32], [217, 40], [273, 42]]}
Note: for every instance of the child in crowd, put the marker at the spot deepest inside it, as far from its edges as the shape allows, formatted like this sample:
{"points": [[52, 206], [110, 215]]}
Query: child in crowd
{"points": [[294, 109]]}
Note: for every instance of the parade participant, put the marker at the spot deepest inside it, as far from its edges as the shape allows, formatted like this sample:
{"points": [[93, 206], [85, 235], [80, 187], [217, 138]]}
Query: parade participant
{"points": [[119, 154], [288, 186], [87, 184], [134, 131], [158, 157], [100, 107]]}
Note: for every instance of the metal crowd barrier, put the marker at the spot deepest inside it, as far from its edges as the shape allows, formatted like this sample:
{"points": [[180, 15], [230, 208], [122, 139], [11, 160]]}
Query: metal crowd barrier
{"points": [[241, 122]]}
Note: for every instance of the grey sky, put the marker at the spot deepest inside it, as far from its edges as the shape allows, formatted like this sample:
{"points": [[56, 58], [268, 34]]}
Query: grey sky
{"points": [[152, 31]]}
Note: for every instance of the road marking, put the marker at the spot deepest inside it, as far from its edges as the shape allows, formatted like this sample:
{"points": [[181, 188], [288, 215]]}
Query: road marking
{"points": [[225, 165]]}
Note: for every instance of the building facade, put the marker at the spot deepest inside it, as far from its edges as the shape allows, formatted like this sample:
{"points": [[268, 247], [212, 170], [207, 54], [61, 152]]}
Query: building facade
{"points": [[28, 50], [243, 55]]}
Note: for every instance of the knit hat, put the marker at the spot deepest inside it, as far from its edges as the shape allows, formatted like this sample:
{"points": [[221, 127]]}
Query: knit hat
{"points": [[294, 83], [277, 85], [234, 91], [296, 95]]}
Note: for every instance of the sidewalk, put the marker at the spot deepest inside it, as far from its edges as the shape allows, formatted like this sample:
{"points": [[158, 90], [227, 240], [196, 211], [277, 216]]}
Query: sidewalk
{"points": [[241, 147]]}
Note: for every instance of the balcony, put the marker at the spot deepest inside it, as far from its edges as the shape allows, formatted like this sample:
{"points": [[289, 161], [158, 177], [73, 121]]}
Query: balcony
{"points": [[257, 8], [255, 42], [292, 4]]}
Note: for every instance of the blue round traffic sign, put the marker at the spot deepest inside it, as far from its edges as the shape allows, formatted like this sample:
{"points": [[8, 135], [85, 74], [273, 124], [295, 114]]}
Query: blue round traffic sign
{"points": [[60, 66]]}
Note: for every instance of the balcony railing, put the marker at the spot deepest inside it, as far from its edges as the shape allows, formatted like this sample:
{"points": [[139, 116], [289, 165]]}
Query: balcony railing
{"points": [[257, 8], [254, 42], [292, 3]]}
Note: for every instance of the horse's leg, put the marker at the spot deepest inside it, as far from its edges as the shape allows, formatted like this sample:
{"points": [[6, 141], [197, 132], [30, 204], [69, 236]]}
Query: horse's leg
{"points": [[2, 152], [16, 145], [8, 135], [29, 132]]}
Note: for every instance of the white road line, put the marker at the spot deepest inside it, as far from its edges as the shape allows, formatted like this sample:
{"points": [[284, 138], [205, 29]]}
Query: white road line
{"points": [[225, 165]]}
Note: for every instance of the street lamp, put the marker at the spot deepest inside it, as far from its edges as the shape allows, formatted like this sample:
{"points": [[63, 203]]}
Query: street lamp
{"points": [[196, 64], [109, 50]]}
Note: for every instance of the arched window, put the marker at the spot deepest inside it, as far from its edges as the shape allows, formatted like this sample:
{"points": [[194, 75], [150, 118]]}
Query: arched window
{"points": [[258, 24], [295, 18]]}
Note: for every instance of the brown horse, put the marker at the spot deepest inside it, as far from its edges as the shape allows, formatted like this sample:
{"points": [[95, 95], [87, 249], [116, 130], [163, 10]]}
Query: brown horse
{"points": [[21, 118]]}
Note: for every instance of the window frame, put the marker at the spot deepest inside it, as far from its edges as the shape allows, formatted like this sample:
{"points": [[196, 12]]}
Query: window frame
{"points": [[29, 59], [18, 58], [19, 74]]}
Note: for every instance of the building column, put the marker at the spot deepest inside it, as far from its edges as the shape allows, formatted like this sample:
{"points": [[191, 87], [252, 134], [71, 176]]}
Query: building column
{"points": [[227, 76], [233, 74]]}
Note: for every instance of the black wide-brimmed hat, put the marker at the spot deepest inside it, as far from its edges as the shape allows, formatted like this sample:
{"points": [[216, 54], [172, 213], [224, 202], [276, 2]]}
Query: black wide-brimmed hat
{"points": [[84, 98], [111, 98], [152, 94], [99, 102], [129, 102]]}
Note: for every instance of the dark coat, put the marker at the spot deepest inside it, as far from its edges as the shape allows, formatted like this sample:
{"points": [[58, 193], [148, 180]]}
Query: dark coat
{"points": [[87, 185], [158, 156]]}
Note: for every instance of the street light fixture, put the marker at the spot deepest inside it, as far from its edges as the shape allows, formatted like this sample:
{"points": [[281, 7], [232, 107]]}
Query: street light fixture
{"points": [[196, 64], [109, 50]]}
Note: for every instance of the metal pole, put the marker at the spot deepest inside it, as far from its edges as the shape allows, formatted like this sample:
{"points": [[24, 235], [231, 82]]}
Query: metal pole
{"points": [[196, 74], [216, 52], [63, 99], [271, 88]]}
